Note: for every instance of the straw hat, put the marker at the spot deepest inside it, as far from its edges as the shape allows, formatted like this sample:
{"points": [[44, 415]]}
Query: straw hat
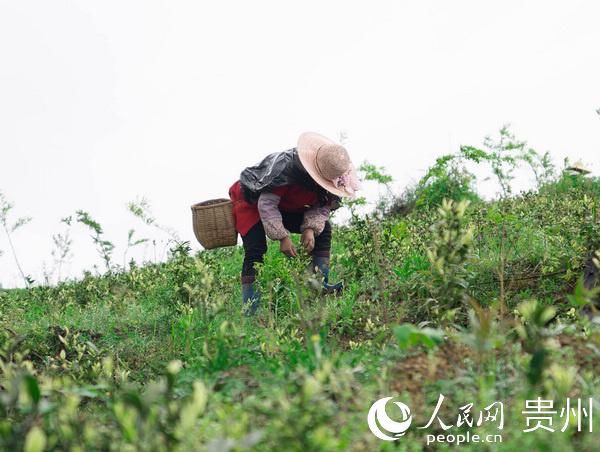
{"points": [[328, 163], [579, 168]]}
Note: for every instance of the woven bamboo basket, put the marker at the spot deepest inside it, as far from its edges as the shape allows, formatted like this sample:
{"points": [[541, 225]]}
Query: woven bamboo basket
{"points": [[213, 223]]}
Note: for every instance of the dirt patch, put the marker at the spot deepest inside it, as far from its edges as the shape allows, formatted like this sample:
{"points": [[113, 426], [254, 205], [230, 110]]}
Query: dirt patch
{"points": [[415, 372], [240, 373], [584, 351]]}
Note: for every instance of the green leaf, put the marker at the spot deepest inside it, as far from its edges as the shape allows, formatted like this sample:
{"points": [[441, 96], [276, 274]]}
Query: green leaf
{"points": [[408, 336], [33, 388], [35, 441], [582, 296]]}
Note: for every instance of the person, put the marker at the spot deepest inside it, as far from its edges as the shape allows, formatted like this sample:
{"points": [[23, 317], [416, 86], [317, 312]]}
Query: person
{"points": [[591, 279], [291, 192]]}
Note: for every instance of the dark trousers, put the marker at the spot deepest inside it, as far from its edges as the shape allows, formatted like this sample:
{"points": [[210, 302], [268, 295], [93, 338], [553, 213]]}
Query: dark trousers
{"points": [[255, 243]]}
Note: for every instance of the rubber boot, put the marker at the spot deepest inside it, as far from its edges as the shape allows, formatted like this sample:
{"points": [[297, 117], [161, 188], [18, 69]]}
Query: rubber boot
{"points": [[322, 264], [250, 299]]}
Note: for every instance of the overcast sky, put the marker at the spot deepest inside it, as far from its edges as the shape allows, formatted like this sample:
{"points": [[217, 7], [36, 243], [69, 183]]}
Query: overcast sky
{"points": [[101, 102]]}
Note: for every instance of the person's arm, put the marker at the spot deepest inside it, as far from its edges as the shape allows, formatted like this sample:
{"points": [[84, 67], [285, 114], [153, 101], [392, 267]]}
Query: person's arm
{"points": [[268, 209], [315, 218]]}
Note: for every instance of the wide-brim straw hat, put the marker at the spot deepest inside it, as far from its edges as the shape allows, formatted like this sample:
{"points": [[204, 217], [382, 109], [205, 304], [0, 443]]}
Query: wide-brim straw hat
{"points": [[326, 162], [579, 167]]}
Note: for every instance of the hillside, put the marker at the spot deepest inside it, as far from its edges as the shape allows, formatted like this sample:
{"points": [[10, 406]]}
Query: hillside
{"points": [[481, 301]]}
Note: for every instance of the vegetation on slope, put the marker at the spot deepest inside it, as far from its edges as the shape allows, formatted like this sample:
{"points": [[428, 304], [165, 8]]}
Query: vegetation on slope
{"points": [[480, 301]]}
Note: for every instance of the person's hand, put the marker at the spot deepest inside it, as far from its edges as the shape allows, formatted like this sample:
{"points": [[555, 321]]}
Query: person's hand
{"points": [[308, 239], [287, 247]]}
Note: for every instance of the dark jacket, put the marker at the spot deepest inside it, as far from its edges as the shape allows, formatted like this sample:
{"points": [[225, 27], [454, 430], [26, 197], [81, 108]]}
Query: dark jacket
{"points": [[276, 170]]}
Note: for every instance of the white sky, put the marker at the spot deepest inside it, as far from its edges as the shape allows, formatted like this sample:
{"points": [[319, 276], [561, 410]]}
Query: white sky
{"points": [[101, 102]]}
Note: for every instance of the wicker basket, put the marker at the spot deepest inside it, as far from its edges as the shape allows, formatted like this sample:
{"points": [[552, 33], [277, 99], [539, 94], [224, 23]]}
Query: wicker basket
{"points": [[213, 223]]}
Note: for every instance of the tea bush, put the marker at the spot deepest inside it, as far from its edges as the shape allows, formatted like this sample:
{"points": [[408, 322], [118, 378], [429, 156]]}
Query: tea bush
{"points": [[480, 301]]}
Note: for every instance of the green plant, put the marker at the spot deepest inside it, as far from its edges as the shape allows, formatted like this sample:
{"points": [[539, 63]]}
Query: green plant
{"points": [[82, 363], [80, 359], [541, 165], [377, 174], [504, 154], [533, 331], [131, 243], [62, 251], [140, 208], [448, 255], [449, 179], [11, 227], [104, 247], [485, 334], [408, 336], [155, 419]]}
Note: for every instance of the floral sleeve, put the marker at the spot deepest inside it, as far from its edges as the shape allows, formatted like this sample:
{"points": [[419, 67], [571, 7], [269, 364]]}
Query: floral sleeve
{"points": [[268, 209], [315, 218]]}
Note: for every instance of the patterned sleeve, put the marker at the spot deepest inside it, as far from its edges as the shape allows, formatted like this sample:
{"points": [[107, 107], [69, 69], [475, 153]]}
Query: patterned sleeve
{"points": [[315, 218], [268, 209]]}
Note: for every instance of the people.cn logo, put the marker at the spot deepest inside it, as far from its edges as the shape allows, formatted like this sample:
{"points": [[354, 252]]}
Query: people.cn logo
{"points": [[377, 418]]}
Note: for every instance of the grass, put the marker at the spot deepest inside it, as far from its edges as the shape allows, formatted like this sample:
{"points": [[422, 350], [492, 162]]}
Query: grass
{"points": [[159, 357]]}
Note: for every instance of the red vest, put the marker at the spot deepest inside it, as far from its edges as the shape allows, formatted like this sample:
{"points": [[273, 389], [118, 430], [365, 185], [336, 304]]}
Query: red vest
{"points": [[294, 198]]}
